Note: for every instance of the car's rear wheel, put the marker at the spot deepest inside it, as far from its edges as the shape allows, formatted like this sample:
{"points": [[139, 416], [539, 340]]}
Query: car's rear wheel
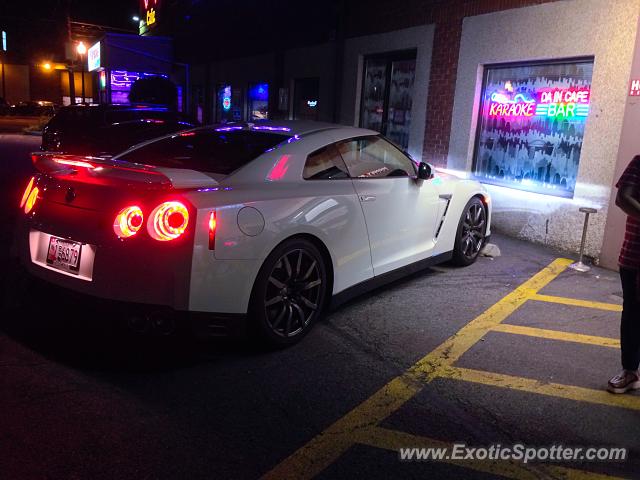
{"points": [[289, 292], [471, 234]]}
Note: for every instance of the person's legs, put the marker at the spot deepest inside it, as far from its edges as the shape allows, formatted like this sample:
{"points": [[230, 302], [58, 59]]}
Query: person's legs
{"points": [[629, 379], [630, 323]]}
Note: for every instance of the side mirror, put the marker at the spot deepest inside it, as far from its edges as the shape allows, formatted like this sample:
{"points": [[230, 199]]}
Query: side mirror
{"points": [[424, 171]]}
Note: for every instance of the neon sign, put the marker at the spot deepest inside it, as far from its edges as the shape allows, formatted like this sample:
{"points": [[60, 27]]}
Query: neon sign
{"points": [[558, 102], [226, 98], [149, 7], [519, 106]]}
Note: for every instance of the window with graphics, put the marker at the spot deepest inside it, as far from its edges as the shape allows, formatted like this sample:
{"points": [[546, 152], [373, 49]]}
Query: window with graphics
{"points": [[531, 125]]}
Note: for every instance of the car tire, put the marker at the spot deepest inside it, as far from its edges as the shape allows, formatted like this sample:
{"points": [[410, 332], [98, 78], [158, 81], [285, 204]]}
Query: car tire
{"points": [[471, 233], [289, 293]]}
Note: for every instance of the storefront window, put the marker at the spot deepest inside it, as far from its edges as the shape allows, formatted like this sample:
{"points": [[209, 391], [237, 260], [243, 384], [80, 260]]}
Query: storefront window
{"points": [[121, 81], [387, 95], [258, 101], [228, 104], [531, 125]]}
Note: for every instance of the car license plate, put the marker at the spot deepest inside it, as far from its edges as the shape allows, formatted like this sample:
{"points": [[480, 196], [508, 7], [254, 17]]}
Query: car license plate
{"points": [[64, 254]]}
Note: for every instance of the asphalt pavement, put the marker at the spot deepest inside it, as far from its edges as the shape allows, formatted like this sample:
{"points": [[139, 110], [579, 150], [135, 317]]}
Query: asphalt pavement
{"points": [[512, 349]]}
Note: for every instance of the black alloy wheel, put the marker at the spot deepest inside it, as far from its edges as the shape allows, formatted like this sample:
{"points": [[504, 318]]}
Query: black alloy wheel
{"points": [[471, 234], [290, 292]]}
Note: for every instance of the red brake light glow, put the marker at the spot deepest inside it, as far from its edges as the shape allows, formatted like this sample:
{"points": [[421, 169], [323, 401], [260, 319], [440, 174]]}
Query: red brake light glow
{"points": [[128, 221], [213, 223], [27, 191], [31, 200], [168, 221]]}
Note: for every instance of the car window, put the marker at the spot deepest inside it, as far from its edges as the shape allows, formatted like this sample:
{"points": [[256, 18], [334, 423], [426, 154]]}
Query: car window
{"points": [[325, 164], [205, 150], [374, 157]]}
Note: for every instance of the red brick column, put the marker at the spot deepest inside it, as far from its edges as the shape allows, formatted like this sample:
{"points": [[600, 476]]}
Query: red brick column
{"points": [[448, 17], [442, 88]]}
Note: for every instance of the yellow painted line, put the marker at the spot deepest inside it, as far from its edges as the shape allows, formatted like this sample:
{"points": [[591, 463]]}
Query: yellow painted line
{"points": [[326, 447], [386, 439], [574, 302], [567, 392], [557, 335]]}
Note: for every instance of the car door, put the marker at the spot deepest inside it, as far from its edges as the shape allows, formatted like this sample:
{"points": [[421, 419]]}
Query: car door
{"points": [[400, 211]]}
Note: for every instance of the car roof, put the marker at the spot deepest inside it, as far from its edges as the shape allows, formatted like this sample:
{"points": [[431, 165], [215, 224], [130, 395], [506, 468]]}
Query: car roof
{"points": [[284, 127]]}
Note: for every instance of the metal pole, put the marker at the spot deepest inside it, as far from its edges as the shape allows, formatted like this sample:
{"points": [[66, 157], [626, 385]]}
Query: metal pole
{"points": [[580, 266], [72, 87], [83, 95]]}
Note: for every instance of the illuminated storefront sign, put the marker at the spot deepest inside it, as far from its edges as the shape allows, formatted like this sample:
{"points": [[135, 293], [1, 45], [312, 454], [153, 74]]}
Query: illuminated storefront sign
{"points": [[568, 102], [93, 57], [226, 98], [531, 125], [121, 81], [149, 12]]}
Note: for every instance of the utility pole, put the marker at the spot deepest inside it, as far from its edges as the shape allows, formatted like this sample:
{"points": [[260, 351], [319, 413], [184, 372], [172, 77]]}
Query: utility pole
{"points": [[72, 83]]}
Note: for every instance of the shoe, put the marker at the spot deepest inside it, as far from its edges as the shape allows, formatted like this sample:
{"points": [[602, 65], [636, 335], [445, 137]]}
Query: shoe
{"points": [[625, 381]]}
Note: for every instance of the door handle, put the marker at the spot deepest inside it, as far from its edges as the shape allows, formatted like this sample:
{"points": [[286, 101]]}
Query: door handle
{"points": [[367, 198]]}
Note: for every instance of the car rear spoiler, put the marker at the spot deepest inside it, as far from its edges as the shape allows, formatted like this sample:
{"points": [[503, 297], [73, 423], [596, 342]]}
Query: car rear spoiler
{"points": [[108, 171]]}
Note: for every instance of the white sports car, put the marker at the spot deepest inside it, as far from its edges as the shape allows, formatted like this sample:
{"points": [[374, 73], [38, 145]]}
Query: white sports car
{"points": [[270, 222]]}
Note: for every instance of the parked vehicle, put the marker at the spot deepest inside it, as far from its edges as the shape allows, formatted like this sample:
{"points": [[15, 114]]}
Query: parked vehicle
{"points": [[270, 222], [105, 130], [33, 108]]}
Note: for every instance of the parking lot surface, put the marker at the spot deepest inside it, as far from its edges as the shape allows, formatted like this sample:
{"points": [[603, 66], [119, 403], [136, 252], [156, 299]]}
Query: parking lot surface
{"points": [[516, 349]]}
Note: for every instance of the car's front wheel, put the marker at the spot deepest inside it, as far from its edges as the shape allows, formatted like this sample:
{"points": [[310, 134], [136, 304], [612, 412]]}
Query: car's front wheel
{"points": [[471, 234], [289, 293]]}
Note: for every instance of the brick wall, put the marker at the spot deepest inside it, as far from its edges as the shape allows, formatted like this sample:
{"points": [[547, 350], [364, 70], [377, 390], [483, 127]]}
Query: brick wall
{"points": [[365, 17], [448, 17]]}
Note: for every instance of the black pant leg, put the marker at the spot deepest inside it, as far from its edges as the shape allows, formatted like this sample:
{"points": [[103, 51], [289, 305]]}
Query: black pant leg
{"points": [[630, 323]]}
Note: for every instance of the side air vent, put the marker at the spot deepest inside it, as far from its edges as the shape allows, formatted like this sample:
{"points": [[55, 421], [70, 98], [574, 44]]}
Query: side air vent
{"points": [[447, 200]]}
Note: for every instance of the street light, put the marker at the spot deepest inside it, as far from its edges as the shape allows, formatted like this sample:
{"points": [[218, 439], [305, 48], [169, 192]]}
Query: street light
{"points": [[46, 66], [82, 50]]}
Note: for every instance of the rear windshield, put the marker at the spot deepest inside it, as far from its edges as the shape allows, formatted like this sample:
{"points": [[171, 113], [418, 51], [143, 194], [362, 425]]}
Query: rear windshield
{"points": [[119, 116], [206, 150], [77, 117]]}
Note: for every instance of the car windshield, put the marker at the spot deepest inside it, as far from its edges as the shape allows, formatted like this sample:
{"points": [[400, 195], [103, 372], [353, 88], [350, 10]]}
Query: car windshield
{"points": [[220, 152]]}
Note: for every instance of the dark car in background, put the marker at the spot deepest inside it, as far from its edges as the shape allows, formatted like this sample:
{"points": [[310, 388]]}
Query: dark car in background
{"points": [[104, 130], [33, 108]]}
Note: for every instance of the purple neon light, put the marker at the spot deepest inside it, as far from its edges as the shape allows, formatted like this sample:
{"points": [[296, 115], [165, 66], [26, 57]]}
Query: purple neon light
{"points": [[122, 79], [227, 129], [271, 129]]}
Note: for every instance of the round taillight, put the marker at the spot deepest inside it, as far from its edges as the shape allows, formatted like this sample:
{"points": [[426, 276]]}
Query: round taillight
{"points": [[128, 221], [31, 200], [27, 191], [168, 221]]}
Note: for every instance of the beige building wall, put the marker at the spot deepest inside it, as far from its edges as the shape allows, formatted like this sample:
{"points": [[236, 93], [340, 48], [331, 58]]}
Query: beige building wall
{"points": [[17, 83], [605, 30]]}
